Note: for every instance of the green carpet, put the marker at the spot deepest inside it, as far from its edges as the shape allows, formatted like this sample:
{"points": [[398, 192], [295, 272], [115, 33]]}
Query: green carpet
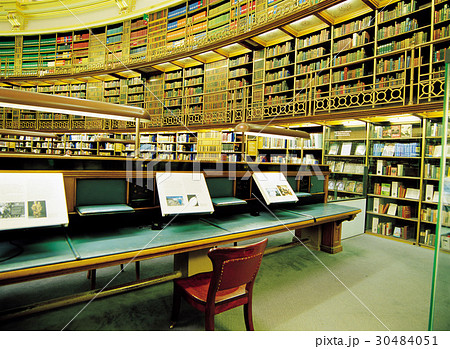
{"points": [[374, 284]]}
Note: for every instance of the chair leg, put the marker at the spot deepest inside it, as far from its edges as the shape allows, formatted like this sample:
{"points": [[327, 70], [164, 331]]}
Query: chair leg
{"points": [[209, 320], [175, 307], [248, 316]]}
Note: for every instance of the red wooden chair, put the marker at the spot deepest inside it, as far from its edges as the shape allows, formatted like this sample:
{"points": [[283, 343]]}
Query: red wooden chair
{"points": [[228, 285]]}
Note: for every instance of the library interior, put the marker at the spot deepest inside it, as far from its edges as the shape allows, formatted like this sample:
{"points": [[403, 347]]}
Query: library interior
{"points": [[165, 137]]}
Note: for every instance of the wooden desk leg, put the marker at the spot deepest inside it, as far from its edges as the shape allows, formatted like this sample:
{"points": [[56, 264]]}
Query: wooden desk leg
{"points": [[311, 237], [138, 270], [191, 263], [93, 277], [331, 237]]}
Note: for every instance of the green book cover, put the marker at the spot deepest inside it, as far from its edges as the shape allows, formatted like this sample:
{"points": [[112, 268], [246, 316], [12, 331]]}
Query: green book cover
{"points": [[385, 189]]}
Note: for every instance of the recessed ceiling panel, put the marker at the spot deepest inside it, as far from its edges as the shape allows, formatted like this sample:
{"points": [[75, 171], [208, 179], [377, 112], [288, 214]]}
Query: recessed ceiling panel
{"points": [[272, 37], [346, 10], [305, 25], [232, 50], [208, 57]]}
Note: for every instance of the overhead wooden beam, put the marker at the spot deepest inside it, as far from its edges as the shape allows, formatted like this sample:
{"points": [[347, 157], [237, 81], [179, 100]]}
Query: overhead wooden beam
{"points": [[325, 18], [370, 3]]}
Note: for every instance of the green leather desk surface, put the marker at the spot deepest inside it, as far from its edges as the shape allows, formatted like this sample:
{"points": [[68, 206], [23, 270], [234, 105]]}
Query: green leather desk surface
{"points": [[36, 252], [238, 223], [322, 210], [54, 249], [102, 243]]}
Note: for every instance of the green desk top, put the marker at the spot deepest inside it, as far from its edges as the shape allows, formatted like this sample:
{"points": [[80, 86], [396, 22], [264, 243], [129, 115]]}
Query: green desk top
{"points": [[321, 210], [103, 209], [101, 243], [36, 252], [238, 223], [52, 249]]}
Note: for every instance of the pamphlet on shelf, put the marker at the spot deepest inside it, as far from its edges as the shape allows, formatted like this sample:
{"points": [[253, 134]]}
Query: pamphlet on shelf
{"points": [[346, 148], [412, 193], [436, 196], [392, 210], [360, 149], [30, 200], [394, 189], [429, 189], [380, 165], [376, 205], [375, 221], [334, 148], [274, 187], [406, 131], [389, 150], [183, 193]]}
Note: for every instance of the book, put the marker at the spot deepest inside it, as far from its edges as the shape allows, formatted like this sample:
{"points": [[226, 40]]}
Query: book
{"points": [[395, 131], [412, 193], [394, 189], [360, 149], [406, 131], [350, 186], [380, 165], [429, 189], [392, 210], [359, 188], [385, 189], [334, 148], [332, 165], [375, 221], [331, 184], [388, 150], [400, 170], [339, 167], [435, 197], [346, 148], [340, 185], [376, 205], [397, 232], [394, 171]]}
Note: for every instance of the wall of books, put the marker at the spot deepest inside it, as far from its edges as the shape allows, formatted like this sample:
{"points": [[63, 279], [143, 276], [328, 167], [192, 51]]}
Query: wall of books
{"points": [[381, 58]]}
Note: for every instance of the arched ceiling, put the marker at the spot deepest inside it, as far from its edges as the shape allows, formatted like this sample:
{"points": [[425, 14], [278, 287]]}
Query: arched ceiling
{"points": [[30, 16]]}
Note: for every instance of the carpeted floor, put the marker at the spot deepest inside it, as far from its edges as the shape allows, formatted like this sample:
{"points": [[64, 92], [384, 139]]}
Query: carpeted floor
{"points": [[374, 284]]}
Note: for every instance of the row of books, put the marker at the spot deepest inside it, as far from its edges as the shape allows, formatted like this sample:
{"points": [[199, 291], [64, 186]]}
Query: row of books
{"points": [[346, 185], [353, 26], [435, 150], [396, 149], [346, 167], [393, 131], [388, 229], [426, 237], [355, 40], [391, 209], [385, 168], [398, 28], [347, 148], [396, 190]]}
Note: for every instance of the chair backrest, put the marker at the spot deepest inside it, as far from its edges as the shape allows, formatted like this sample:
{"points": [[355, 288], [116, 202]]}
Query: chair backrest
{"points": [[235, 266]]}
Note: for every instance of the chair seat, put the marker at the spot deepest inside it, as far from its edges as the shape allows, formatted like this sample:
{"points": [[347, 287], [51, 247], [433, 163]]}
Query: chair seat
{"points": [[197, 287]]}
